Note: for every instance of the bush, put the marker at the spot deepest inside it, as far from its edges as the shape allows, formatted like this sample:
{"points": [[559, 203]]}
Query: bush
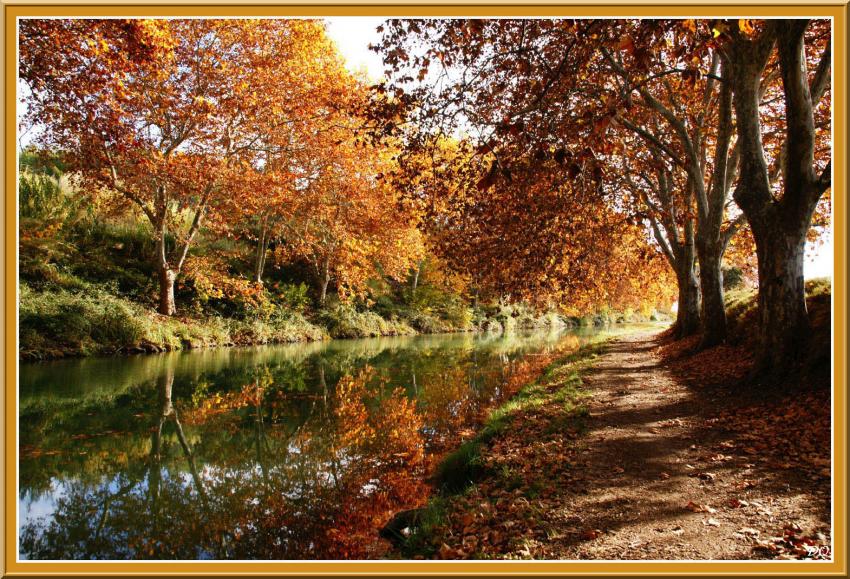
{"points": [[91, 320], [281, 328], [345, 321], [428, 323], [733, 278], [294, 297], [87, 322]]}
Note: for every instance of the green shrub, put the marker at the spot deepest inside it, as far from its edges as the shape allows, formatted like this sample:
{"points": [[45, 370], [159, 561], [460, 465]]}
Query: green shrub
{"points": [[90, 321], [294, 297], [345, 321], [733, 278], [427, 323], [460, 468], [280, 328]]}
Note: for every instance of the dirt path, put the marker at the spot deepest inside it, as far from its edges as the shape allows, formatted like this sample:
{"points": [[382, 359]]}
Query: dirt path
{"points": [[651, 453], [663, 467]]}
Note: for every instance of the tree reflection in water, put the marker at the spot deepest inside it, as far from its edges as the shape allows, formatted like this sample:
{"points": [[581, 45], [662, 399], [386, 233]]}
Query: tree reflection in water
{"points": [[281, 459]]}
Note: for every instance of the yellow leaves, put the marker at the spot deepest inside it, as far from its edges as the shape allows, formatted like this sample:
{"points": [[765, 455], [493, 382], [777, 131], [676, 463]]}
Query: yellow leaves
{"points": [[745, 25], [393, 426], [719, 28]]}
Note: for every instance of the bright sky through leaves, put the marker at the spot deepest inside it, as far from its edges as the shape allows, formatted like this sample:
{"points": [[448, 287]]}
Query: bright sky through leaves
{"points": [[353, 36]]}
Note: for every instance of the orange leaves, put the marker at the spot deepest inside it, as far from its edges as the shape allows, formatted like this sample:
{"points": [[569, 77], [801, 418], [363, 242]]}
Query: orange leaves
{"points": [[393, 426], [745, 25], [344, 221]]}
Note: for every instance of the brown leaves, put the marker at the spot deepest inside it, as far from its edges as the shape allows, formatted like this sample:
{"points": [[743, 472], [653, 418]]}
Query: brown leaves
{"points": [[793, 544], [489, 179], [695, 508], [705, 477]]}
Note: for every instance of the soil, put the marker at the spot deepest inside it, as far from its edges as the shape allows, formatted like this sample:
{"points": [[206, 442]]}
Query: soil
{"points": [[651, 453]]}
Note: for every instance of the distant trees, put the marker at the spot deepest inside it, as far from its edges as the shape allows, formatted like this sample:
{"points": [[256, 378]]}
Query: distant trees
{"points": [[345, 219]]}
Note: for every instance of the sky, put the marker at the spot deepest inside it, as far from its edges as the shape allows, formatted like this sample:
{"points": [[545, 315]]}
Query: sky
{"points": [[352, 35]]}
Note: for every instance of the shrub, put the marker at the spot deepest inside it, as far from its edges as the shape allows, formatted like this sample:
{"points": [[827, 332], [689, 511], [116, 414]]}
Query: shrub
{"points": [[90, 321], [294, 297], [733, 278], [345, 321]]}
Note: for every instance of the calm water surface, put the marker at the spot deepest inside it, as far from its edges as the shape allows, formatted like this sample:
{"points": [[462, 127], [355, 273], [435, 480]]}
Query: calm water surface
{"points": [[283, 452]]}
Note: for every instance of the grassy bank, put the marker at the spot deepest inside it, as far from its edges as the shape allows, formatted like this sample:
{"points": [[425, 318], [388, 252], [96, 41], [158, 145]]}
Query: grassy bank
{"points": [[75, 317], [57, 323], [105, 308], [558, 387], [88, 287]]}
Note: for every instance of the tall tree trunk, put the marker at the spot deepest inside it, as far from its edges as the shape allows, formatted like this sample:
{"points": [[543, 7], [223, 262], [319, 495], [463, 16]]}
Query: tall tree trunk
{"points": [[711, 206], [416, 274], [260, 258], [688, 314], [325, 281], [711, 288], [166, 291], [783, 318], [779, 224]]}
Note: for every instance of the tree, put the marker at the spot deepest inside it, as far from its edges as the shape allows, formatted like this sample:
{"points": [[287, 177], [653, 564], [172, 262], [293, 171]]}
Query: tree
{"points": [[310, 98], [526, 208], [170, 129], [345, 219], [658, 68], [781, 216], [666, 203]]}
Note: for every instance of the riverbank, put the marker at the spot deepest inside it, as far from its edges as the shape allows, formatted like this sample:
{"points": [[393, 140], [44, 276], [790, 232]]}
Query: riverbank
{"points": [[86, 321], [639, 448]]}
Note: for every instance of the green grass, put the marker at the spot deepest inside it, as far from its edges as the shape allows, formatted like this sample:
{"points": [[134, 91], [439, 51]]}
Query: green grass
{"points": [[431, 517], [345, 321], [90, 320]]}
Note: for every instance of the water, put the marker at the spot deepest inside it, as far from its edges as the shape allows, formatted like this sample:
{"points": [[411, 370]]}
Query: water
{"points": [[273, 452]]}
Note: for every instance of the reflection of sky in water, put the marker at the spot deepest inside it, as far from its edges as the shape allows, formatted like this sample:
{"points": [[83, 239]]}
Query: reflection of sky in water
{"points": [[288, 442]]}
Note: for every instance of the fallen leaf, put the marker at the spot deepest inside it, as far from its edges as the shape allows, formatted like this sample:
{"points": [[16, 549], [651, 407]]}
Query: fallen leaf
{"points": [[695, 508]]}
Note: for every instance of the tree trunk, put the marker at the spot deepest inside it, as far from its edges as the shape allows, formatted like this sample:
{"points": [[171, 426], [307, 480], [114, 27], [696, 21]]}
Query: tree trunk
{"points": [[166, 291], [711, 287], [260, 259], [325, 281], [783, 318], [687, 316], [779, 225], [416, 273]]}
